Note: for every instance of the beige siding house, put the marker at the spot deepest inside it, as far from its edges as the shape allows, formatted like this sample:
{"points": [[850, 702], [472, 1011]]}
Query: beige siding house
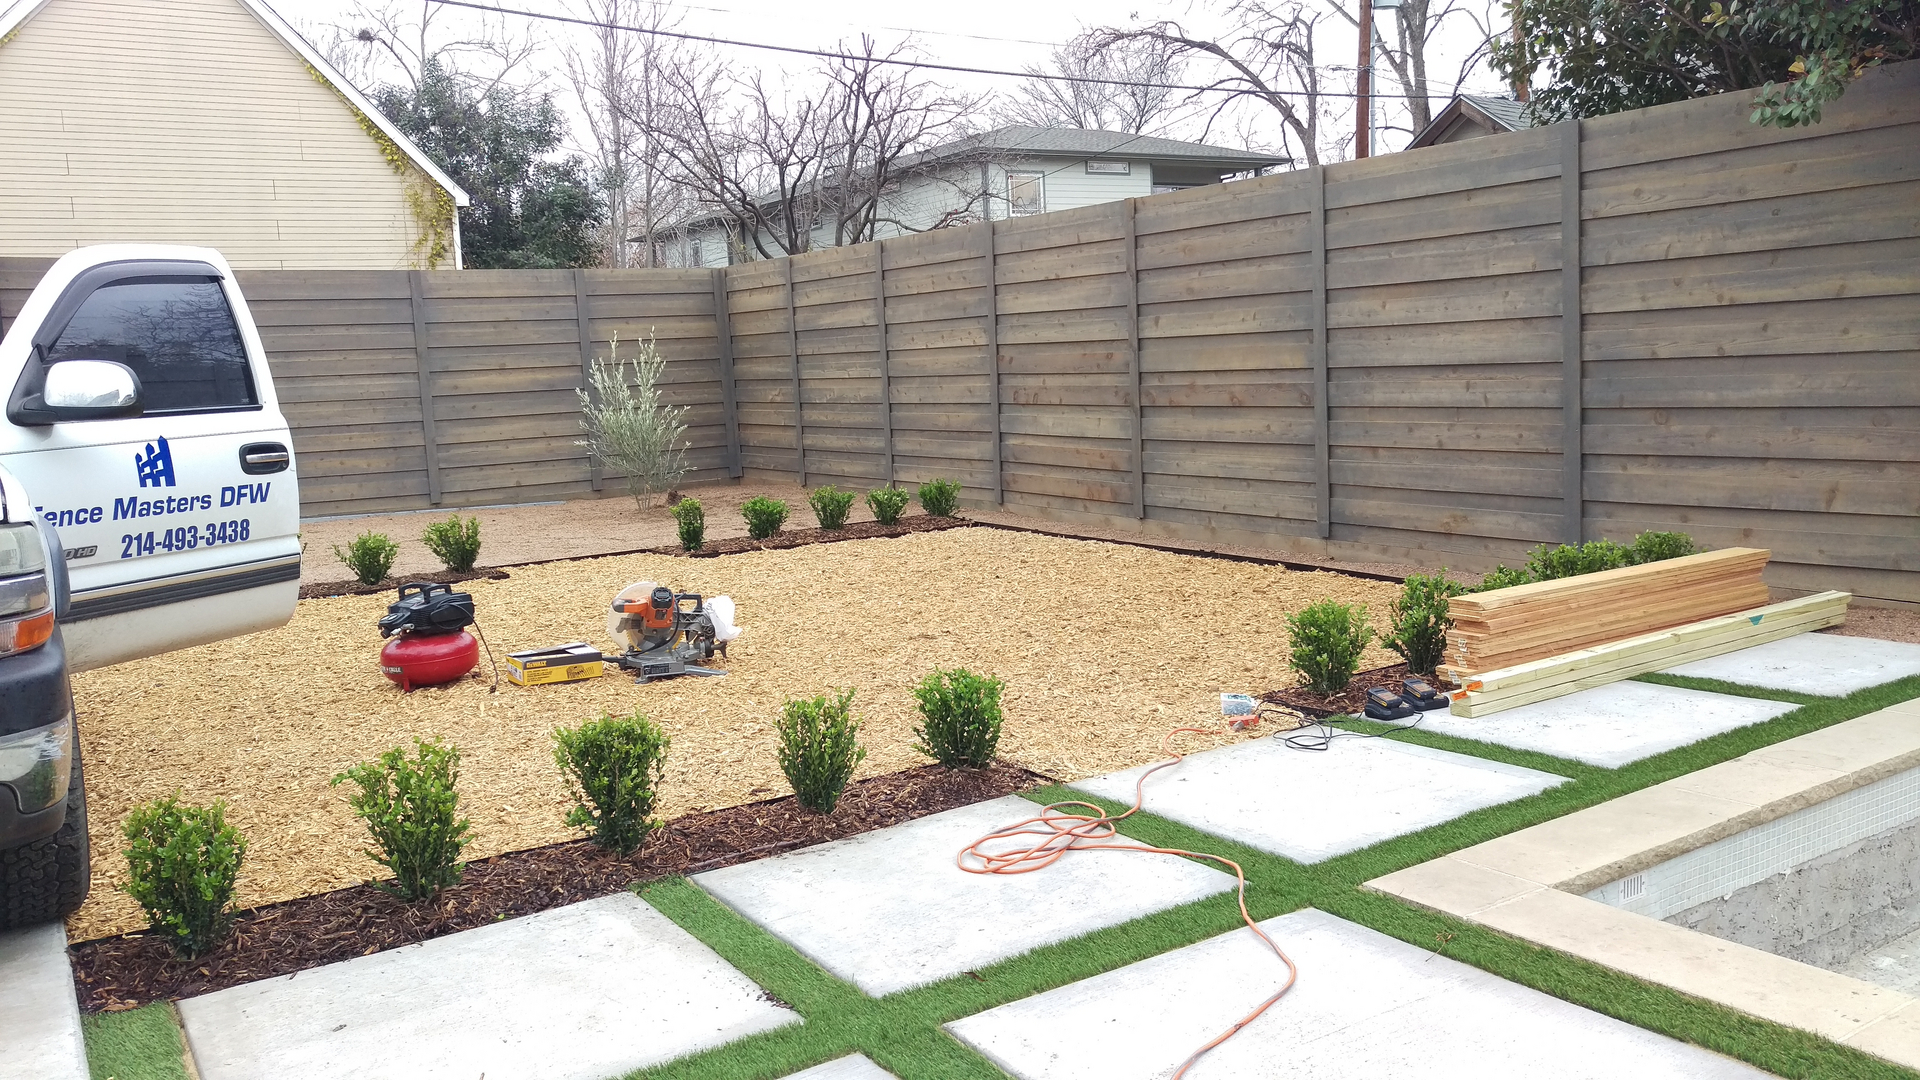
{"points": [[207, 122]]}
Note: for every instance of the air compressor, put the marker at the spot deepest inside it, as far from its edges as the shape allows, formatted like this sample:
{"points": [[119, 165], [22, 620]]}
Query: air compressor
{"points": [[428, 643]]}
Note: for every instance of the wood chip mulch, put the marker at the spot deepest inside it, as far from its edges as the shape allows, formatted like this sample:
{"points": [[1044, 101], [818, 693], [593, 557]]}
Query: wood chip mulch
{"points": [[793, 538], [1348, 702], [438, 577], [117, 973]]}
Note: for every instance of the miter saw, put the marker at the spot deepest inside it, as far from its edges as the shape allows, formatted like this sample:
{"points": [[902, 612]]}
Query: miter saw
{"points": [[665, 631]]}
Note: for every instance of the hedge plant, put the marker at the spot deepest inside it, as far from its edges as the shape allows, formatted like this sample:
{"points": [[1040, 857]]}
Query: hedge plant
{"points": [[1420, 620], [370, 556], [960, 718], [613, 767], [692, 521], [455, 542], [830, 506], [941, 498], [410, 806], [887, 504], [764, 516], [182, 863], [1325, 641], [819, 748]]}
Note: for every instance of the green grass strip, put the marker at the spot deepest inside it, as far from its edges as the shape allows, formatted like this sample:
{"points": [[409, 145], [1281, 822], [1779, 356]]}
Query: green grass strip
{"points": [[1731, 689], [139, 1044]]}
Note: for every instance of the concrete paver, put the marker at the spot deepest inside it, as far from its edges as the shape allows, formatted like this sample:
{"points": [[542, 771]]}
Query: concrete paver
{"points": [[890, 909], [582, 992], [1312, 805], [851, 1067], [1612, 725], [1827, 664], [1366, 1006], [39, 1015]]}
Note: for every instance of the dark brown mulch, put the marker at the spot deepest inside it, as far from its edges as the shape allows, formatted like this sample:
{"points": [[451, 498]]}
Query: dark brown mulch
{"points": [[121, 972], [793, 538], [1347, 702], [438, 577]]}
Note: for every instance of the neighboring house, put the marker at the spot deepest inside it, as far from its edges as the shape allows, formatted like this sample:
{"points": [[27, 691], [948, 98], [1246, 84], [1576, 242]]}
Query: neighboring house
{"points": [[1007, 172], [208, 122], [1471, 116]]}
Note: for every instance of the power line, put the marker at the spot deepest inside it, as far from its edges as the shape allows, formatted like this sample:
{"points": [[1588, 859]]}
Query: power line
{"points": [[896, 29], [828, 54]]}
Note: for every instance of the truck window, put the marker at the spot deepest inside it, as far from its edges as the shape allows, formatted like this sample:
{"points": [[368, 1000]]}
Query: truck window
{"points": [[178, 335]]}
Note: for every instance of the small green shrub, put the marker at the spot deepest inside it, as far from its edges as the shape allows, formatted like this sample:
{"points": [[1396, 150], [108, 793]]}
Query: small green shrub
{"points": [[613, 767], [1326, 640], [764, 516], [455, 542], [887, 504], [1549, 564], [1501, 577], [369, 555], [960, 718], [831, 506], [1651, 547], [409, 806], [687, 513], [1420, 620], [182, 862], [940, 497], [818, 749]]}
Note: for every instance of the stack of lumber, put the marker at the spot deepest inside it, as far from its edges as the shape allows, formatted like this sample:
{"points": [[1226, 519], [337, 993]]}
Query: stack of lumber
{"points": [[1540, 680], [1498, 629]]}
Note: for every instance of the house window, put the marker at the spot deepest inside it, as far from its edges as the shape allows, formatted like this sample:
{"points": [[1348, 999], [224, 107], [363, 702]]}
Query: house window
{"points": [[1026, 193], [1111, 168]]}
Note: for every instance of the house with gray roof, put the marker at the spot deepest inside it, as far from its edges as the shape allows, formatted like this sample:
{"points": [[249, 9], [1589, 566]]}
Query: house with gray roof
{"points": [[1472, 116], [1007, 172]]}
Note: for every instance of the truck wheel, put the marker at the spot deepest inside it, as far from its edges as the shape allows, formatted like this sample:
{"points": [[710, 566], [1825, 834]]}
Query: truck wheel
{"points": [[47, 879]]}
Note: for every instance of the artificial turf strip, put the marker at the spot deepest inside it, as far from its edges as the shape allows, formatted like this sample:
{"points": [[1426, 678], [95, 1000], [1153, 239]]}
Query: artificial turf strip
{"points": [[139, 1044], [1731, 689], [902, 1032]]}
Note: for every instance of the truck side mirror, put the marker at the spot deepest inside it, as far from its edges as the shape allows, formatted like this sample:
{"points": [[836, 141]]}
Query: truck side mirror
{"points": [[80, 390]]}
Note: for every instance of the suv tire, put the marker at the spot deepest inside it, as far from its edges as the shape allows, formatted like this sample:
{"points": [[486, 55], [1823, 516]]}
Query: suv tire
{"points": [[47, 879]]}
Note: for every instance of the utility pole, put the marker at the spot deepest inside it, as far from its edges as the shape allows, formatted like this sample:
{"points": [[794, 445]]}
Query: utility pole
{"points": [[1363, 89]]}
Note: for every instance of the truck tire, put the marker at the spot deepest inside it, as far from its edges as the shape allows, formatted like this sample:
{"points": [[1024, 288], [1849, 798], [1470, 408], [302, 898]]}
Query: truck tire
{"points": [[47, 879]]}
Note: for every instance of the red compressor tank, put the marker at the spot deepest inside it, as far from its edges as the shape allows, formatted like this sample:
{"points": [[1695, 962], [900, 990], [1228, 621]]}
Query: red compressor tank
{"points": [[428, 659]]}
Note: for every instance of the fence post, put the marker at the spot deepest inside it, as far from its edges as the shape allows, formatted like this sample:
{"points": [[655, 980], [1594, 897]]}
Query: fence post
{"points": [[1317, 355], [993, 350], [793, 353], [886, 388], [1133, 359], [723, 337], [580, 311], [1572, 463], [423, 372]]}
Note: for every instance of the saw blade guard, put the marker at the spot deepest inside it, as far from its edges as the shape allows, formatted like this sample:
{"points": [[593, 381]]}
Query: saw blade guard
{"points": [[639, 590]]}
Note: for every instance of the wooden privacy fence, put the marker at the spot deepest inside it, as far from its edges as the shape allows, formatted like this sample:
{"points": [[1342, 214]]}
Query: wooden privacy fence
{"points": [[1665, 319]]}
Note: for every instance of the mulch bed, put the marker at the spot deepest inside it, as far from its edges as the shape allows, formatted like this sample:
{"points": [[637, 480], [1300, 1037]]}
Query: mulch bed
{"points": [[123, 972], [793, 538], [438, 577], [1348, 702]]}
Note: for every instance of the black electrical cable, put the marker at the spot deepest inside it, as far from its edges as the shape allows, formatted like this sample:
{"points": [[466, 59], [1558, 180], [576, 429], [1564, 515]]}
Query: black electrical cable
{"points": [[1318, 735]]}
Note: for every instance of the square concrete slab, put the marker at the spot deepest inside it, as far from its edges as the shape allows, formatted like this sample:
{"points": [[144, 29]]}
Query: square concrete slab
{"points": [[1312, 805], [582, 992], [1612, 725], [851, 1067], [1831, 665], [39, 1015], [1366, 1006], [890, 909]]}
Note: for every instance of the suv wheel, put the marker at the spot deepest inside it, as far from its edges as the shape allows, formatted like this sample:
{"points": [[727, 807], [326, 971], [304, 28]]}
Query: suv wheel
{"points": [[47, 879]]}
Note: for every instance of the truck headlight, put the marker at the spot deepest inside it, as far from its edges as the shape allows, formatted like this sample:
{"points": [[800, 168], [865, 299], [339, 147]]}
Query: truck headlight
{"points": [[38, 764], [26, 600]]}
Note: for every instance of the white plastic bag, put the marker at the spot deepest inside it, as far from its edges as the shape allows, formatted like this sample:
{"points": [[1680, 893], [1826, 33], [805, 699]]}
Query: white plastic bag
{"points": [[720, 609]]}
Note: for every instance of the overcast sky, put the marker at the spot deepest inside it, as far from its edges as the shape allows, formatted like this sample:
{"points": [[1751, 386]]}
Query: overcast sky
{"points": [[1004, 34]]}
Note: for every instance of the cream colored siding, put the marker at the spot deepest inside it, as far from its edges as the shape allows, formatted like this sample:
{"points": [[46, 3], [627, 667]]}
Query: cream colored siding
{"points": [[188, 121]]}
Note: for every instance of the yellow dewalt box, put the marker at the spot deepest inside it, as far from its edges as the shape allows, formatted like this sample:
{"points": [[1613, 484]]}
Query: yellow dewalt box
{"points": [[562, 663]]}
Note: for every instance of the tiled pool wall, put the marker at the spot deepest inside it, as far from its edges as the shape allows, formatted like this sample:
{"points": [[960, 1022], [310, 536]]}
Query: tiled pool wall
{"points": [[1819, 885]]}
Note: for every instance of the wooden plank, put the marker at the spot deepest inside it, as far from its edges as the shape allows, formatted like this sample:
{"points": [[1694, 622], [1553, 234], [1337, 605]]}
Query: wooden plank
{"points": [[1129, 237], [723, 337], [880, 318], [793, 355], [583, 310], [424, 373], [991, 323], [1570, 348], [1318, 356]]}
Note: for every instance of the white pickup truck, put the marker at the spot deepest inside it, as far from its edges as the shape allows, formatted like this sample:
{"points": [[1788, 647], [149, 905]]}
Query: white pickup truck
{"points": [[148, 502]]}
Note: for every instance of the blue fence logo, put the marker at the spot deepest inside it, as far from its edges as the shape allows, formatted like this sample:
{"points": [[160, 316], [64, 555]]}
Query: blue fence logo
{"points": [[155, 467]]}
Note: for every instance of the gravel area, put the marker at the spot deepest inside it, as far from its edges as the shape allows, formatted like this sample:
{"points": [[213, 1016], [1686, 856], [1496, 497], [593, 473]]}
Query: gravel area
{"points": [[1103, 648]]}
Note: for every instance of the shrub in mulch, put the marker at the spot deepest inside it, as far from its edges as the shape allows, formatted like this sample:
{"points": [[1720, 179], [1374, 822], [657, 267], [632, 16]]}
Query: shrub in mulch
{"points": [[438, 577], [1349, 701], [793, 538], [123, 972]]}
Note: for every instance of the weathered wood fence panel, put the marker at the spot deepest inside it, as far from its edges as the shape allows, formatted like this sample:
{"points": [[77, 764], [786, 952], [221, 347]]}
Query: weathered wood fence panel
{"points": [[1666, 319]]}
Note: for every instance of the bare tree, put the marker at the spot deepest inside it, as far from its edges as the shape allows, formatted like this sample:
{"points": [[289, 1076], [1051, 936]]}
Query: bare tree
{"points": [[386, 42], [1124, 86], [792, 171], [1416, 24], [1265, 56]]}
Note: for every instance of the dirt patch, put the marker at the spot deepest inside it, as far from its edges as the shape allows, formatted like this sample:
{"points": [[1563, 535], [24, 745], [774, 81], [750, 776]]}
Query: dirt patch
{"points": [[390, 586], [1103, 648], [1348, 702], [122, 972], [1887, 624]]}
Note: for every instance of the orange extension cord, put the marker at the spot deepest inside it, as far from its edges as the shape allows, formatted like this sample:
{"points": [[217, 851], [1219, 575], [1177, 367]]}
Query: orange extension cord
{"points": [[1062, 832]]}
